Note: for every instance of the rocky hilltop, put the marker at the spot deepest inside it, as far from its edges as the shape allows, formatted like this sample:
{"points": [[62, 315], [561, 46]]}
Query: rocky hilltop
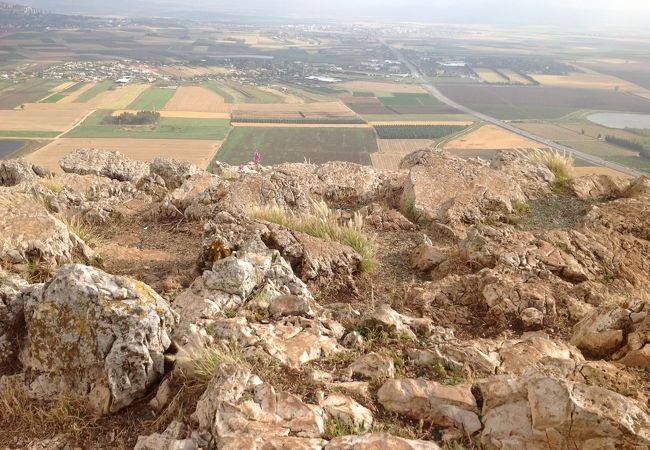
{"points": [[455, 304]]}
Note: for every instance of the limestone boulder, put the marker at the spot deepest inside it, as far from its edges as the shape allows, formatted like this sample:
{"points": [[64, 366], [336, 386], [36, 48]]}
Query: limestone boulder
{"points": [[382, 441], [238, 403], [602, 331], [447, 189], [542, 412], [419, 399], [590, 187], [31, 235], [110, 164], [11, 316], [97, 336], [16, 171], [372, 365], [348, 411]]}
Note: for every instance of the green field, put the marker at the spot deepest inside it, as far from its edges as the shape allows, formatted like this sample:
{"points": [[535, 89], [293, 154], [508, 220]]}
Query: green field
{"points": [[53, 98], [94, 91], [152, 99], [416, 131], [166, 128], [278, 145], [416, 117], [29, 134], [322, 121]]}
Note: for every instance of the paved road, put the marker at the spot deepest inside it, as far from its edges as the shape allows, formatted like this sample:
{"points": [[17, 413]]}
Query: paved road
{"points": [[594, 160]]}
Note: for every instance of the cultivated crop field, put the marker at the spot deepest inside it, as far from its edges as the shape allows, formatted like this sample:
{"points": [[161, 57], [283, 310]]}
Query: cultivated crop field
{"points": [[408, 103], [91, 91], [41, 117], [167, 128], [152, 99], [119, 97], [29, 91], [198, 152], [489, 75], [534, 102], [311, 111], [490, 137], [297, 144], [375, 86], [416, 131], [196, 98]]}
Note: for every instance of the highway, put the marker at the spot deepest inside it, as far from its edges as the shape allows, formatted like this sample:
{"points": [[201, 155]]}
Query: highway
{"points": [[594, 160]]}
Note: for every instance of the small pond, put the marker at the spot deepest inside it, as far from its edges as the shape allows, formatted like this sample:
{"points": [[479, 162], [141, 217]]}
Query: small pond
{"points": [[7, 147], [621, 120]]}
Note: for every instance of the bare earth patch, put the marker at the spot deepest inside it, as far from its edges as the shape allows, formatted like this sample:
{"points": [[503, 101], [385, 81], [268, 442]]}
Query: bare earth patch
{"points": [[42, 117]]}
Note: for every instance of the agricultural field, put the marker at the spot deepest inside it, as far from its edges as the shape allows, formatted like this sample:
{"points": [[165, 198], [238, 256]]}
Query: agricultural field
{"points": [[197, 99], [416, 131], [41, 117], [380, 87], [198, 152], [634, 71], [119, 97], [153, 99], [29, 91], [535, 102], [490, 137], [489, 75], [92, 90], [167, 128], [392, 151], [308, 111], [515, 77], [591, 80], [297, 144], [408, 103]]}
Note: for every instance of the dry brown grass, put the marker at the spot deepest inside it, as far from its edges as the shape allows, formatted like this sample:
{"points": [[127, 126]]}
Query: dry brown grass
{"points": [[489, 75], [118, 98], [24, 418]]}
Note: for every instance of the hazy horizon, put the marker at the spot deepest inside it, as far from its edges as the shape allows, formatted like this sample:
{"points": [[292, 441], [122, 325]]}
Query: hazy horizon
{"points": [[581, 13]]}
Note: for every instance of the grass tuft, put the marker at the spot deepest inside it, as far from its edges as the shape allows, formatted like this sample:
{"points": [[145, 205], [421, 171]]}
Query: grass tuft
{"points": [[322, 223], [560, 163], [84, 230], [51, 183]]}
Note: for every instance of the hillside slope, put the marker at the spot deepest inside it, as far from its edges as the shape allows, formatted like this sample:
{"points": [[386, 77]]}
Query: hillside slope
{"points": [[450, 304]]}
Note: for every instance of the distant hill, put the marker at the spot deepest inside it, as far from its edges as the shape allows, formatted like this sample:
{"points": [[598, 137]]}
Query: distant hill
{"points": [[21, 17]]}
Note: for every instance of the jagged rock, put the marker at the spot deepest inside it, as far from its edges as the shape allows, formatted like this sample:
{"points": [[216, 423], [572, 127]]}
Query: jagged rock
{"points": [[534, 178], [16, 171], [162, 398], [228, 285], [386, 219], [93, 198], [599, 186], [172, 172], [473, 192], [382, 441], [11, 315], [95, 335], [426, 257], [602, 331], [270, 443], [113, 164], [348, 411], [373, 365], [531, 318], [636, 351], [170, 439], [466, 356], [639, 187], [313, 258], [291, 305], [225, 411], [30, 234], [295, 345], [389, 320], [544, 412], [447, 406]]}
